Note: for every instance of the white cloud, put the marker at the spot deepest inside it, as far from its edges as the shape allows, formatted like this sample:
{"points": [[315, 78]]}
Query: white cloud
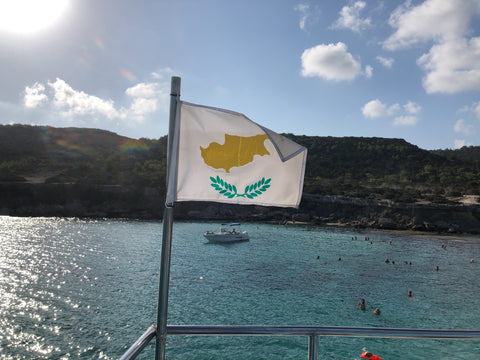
{"points": [[331, 62], [376, 108], [407, 120], [79, 103], [159, 74], [387, 62], [412, 108], [145, 99], [461, 143], [142, 107], [303, 10], [156, 75], [477, 110], [34, 95], [437, 20], [350, 18], [452, 66], [368, 71], [461, 126], [467, 124], [145, 90]]}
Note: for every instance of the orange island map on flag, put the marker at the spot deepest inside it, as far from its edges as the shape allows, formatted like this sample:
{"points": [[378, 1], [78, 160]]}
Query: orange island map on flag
{"points": [[236, 151], [222, 156]]}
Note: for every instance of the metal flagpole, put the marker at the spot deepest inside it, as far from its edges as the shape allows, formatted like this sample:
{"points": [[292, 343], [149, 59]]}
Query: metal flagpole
{"points": [[161, 335]]}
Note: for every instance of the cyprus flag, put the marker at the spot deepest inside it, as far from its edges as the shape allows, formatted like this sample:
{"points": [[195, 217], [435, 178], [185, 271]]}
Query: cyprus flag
{"points": [[222, 156]]}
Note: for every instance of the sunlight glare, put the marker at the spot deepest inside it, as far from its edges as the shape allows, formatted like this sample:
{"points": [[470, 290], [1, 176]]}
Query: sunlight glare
{"points": [[27, 16]]}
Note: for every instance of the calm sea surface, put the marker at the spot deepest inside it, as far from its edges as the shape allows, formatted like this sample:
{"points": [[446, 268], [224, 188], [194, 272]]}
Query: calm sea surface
{"points": [[80, 289]]}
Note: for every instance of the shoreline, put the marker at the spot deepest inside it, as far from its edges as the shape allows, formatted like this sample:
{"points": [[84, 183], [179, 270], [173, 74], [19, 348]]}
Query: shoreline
{"points": [[96, 201], [438, 235]]}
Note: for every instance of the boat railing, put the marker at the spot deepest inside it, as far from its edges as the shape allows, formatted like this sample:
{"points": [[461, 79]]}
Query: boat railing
{"points": [[313, 333], [140, 344]]}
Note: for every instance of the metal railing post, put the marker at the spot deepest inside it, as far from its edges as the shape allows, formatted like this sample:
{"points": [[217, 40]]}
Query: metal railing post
{"points": [[313, 347], [165, 256]]}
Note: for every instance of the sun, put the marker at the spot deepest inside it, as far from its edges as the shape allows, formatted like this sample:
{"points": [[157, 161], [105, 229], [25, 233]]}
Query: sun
{"points": [[27, 16]]}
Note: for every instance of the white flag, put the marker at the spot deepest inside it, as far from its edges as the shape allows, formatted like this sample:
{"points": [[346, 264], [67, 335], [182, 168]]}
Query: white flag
{"points": [[222, 156]]}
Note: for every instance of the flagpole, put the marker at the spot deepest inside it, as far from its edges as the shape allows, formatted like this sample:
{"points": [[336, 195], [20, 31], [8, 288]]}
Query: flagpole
{"points": [[161, 334]]}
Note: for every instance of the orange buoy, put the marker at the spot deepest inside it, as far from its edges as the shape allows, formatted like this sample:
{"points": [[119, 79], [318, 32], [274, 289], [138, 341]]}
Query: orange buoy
{"points": [[367, 355]]}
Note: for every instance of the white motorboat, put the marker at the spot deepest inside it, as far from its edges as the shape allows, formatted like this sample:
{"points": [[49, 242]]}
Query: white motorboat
{"points": [[227, 234]]}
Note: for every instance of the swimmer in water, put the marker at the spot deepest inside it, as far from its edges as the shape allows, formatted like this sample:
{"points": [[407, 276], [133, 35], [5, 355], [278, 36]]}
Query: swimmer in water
{"points": [[361, 305], [377, 311]]}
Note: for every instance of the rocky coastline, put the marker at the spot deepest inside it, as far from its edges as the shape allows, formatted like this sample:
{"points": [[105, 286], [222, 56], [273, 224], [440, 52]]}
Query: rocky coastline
{"points": [[94, 201]]}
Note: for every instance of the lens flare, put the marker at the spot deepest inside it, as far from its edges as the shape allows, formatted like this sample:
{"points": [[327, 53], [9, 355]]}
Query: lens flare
{"points": [[127, 74], [99, 42]]}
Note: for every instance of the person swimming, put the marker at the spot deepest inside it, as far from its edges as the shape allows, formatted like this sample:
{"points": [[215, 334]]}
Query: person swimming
{"points": [[361, 305], [377, 311], [368, 355]]}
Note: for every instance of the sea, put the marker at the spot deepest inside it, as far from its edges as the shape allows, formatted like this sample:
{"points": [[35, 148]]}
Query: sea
{"points": [[87, 289]]}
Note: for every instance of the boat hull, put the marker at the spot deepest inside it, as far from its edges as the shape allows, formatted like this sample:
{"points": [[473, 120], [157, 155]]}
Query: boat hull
{"points": [[226, 237]]}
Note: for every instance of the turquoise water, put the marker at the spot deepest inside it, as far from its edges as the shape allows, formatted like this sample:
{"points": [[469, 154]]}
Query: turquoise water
{"points": [[75, 289]]}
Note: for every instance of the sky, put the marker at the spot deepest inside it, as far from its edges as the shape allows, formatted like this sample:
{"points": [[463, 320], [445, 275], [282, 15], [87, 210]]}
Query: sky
{"points": [[392, 69]]}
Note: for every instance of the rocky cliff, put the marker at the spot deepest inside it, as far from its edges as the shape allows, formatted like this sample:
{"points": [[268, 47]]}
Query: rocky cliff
{"points": [[73, 200]]}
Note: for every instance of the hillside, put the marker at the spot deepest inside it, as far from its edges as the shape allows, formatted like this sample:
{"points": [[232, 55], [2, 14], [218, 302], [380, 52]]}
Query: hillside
{"points": [[368, 168], [467, 153], [75, 155], [379, 168]]}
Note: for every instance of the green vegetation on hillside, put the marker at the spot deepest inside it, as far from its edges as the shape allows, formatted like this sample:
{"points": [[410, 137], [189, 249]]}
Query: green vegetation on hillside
{"points": [[393, 169], [466, 153], [371, 168], [73, 155]]}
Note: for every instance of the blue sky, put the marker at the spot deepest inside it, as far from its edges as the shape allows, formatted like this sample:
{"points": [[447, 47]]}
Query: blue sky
{"points": [[394, 69]]}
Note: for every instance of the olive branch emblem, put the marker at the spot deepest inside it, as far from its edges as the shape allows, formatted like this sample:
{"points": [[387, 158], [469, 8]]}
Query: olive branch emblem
{"points": [[230, 191]]}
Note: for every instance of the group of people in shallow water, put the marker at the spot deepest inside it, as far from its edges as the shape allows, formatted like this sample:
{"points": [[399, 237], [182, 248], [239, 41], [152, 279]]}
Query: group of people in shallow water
{"points": [[387, 261], [367, 238], [362, 306]]}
